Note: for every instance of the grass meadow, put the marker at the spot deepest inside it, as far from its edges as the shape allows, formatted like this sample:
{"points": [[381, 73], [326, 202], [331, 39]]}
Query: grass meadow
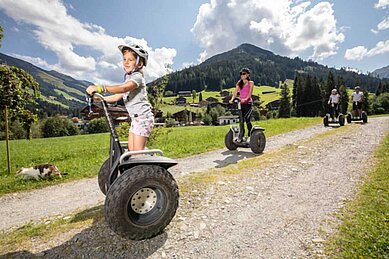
{"points": [[81, 156]]}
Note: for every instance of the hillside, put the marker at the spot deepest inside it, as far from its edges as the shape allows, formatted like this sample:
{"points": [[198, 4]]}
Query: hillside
{"points": [[59, 93], [382, 72], [221, 71]]}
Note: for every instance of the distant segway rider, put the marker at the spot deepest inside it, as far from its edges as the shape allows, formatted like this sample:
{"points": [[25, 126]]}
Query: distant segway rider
{"points": [[133, 92], [333, 102], [245, 88], [357, 98]]}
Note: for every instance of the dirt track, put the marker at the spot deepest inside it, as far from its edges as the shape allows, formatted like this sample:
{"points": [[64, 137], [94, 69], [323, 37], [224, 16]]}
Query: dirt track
{"points": [[280, 209], [20, 208]]}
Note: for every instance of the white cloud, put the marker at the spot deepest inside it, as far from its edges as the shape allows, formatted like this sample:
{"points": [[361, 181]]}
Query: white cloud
{"points": [[356, 53], [374, 31], [361, 52], [283, 27], [382, 4], [383, 25], [61, 33]]}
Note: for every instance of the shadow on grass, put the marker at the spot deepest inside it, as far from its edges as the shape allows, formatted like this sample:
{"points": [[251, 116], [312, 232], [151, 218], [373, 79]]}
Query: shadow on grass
{"points": [[97, 241], [233, 157]]}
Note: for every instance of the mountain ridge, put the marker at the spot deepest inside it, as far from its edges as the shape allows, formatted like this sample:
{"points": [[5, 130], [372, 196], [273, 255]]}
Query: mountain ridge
{"points": [[222, 71], [60, 93], [382, 72]]}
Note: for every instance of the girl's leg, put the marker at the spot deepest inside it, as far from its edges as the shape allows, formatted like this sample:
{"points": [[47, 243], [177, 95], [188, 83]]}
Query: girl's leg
{"points": [[247, 118], [139, 142], [130, 141]]}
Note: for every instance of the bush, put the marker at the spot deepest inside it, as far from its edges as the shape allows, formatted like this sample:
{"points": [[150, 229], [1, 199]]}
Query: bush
{"points": [[99, 125], [380, 104], [58, 127], [170, 122], [207, 119]]}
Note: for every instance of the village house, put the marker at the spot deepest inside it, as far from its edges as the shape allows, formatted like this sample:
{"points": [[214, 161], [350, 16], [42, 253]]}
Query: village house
{"points": [[228, 119], [180, 100]]}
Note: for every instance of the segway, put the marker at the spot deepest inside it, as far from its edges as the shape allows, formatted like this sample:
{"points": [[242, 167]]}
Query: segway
{"points": [[351, 117], [256, 141], [330, 118], [141, 195]]}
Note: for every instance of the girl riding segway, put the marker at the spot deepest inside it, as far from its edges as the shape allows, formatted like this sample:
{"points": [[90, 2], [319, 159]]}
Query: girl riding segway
{"points": [[245, 88]]}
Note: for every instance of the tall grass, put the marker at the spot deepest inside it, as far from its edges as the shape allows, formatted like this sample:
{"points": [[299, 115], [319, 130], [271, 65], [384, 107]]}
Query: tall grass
{"points": [[81, 156]]}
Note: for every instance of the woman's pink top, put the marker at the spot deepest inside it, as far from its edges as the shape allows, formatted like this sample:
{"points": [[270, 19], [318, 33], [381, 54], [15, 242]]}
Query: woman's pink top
{"points": [[244, 92]]}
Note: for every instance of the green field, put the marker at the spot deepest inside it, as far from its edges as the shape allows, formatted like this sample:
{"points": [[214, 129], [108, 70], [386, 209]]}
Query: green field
{"points": [[81, 156]]}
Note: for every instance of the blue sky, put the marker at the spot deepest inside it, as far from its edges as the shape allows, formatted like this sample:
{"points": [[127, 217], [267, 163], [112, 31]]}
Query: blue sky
{"points": [[80, 38]]}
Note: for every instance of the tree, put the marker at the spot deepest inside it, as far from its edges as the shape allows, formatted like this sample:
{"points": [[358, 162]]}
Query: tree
{"points": [[194, 95], [285, 107], [156, 92], [98, 125], [366, 102], [200, 96], [330, 84], [343, 99], [18, 90], [58, 127], [381, 103], [299, 95]]}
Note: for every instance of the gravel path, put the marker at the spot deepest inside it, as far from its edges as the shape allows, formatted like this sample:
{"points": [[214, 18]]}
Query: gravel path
{"points": [[281, 204], [19, 208]]}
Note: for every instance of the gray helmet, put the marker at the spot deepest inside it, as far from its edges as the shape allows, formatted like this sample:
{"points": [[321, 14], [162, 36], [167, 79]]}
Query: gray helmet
{"points": [[137, 49]]}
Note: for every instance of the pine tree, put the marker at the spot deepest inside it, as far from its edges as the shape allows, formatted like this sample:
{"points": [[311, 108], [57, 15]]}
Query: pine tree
{"points": [[285, 107], [366, 102], [330, 84], [299, 96], [343, 99], [379, 89]]}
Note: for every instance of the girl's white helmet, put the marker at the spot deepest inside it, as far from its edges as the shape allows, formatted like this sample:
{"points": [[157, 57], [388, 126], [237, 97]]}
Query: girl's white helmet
{"points": [[334, 91], [137, 49]]}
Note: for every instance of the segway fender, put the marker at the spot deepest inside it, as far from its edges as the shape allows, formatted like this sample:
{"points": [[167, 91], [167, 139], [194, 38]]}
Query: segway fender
{"points": [[235, 129], [162, 161], [257, 128]]}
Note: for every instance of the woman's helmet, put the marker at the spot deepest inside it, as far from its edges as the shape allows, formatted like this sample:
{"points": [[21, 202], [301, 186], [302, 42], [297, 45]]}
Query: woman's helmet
{"points": [[357, 88], [334, 91], [245, 69], [137, 49]]}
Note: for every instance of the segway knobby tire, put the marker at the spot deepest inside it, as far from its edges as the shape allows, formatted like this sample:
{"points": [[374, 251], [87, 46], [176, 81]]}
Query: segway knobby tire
{"points": [[229, 141], [103, 176], [349, 118], [325, 121], [364, 117], [341, 120], [141, 202], [257, 142]]}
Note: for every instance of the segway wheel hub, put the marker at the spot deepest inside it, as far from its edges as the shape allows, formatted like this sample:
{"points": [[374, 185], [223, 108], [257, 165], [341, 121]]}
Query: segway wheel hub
{"points": [[143, 200]]}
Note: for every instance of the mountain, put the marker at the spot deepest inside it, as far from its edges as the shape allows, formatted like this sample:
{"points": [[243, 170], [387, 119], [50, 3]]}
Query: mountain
{"points": [[382, 72], [59, 93], [222, 71]]}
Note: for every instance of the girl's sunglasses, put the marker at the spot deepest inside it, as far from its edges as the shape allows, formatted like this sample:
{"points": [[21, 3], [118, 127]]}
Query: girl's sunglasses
{"points": [[243, 73]]}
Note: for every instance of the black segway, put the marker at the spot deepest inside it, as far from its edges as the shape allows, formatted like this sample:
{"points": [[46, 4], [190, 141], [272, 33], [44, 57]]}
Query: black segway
{"points": [[141, 195], [330, 117], [256, 141], [351, 117]]}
